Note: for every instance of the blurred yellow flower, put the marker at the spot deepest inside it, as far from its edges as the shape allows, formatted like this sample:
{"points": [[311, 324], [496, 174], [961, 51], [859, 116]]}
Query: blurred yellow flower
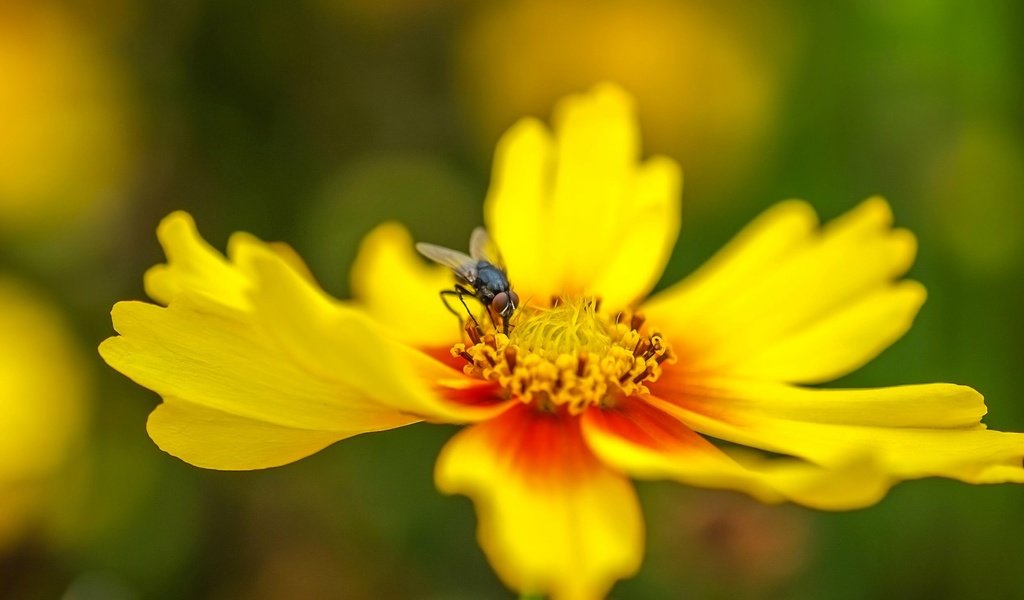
{"points": [[709, 78], [64, 135], [43, 395], [258, 366]]}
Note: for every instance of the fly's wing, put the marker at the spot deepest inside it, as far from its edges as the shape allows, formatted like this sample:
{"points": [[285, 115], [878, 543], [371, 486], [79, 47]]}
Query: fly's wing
{"points": [[462, 264], [482, 247]]}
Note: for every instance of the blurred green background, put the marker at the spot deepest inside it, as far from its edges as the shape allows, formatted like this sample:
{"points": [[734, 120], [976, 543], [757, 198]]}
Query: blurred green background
{"points": [[314, 120]]}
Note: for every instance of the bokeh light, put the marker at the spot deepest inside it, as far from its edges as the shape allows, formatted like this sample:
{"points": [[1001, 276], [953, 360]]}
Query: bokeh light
{"points": [[974, 186], [44, 400], [708, 75], [65, 136]]}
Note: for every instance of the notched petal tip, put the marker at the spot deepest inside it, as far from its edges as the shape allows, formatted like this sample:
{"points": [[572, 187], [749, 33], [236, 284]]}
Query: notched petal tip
{"points": [[790, 300], [107, 349], [795, 210], [175, 224], [575, 210], [605, 100], [385, 237], [904, 249], [880, 208], [915, 291], [873, 214], [528, 131], [127, 311], [174, 232], [192, 265], [907, 432]]}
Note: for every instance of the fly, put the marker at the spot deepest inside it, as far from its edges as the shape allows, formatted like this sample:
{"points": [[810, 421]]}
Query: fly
{"points": [[479, 274]]}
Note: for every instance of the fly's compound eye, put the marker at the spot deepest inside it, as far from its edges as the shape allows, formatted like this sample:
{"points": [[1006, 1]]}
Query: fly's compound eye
{"points": [[504, 303]]}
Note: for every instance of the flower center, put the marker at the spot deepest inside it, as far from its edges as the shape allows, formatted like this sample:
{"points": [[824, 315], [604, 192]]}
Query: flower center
{"points": [[567, 356]]}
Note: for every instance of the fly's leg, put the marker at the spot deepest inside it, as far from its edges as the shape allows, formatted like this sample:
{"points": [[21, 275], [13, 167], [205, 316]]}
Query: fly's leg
{"points": [[459, 292], [444, 299], [490, 313]]}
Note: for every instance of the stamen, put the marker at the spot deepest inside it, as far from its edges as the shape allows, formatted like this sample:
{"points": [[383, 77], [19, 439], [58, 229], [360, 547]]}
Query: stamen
{"points": [[473, 332], [510, 357], [643, 375], [568, 356], [581, 363]]}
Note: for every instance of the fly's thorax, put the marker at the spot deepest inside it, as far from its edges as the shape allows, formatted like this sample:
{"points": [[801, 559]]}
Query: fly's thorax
{"points": [[568, 356], [490, 279]]}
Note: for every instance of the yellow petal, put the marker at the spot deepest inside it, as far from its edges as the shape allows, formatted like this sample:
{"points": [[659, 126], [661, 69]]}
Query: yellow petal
{"points": [[223, 369], [210, 355], [909, 431], [288, 254], [332, 339], [516, 210], [215, 439], [646, 231], [835, 344], [646, 442], [271, 351], [400, 291], [578, 213], [776, 233], [933, 405], [552, 518], [782, 278], [193, 265]]}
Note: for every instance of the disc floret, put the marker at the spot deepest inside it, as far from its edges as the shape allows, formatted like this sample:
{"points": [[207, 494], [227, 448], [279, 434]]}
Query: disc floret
{"points": [[568, 356]]}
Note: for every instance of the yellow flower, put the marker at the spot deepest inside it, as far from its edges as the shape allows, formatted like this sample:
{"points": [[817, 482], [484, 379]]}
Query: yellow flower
{"points": [[258, 367], [43, 393], [708, 77], [65, 135]]}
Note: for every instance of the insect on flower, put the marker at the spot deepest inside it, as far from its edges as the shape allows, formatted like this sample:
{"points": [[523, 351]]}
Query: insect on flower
{"points": [[482, 270], [709, 382]]}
